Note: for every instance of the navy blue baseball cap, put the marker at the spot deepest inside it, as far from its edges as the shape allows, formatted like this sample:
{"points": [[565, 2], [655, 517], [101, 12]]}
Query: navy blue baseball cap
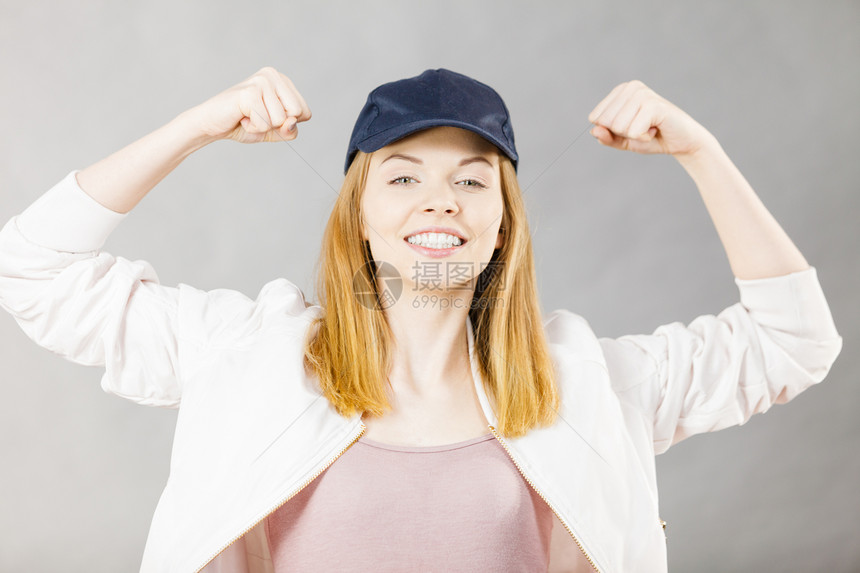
{"points": [[436, 97]]}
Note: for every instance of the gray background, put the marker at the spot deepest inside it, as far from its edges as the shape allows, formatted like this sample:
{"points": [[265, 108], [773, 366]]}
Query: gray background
{"points": [[622, 239]]}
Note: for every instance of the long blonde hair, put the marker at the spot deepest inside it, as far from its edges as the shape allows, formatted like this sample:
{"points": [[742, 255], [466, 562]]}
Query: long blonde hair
{"points": [[350, 348]]}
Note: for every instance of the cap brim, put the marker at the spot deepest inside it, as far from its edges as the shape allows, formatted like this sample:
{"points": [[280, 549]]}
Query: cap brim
{"points": [[383, 138]]}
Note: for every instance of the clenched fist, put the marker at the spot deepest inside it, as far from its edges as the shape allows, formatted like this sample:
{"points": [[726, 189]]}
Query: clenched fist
{"points": [[635, 118], [264, 107]]}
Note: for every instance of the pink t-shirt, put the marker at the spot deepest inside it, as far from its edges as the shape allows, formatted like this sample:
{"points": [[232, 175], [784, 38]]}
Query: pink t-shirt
{"points": [[379, 507]]}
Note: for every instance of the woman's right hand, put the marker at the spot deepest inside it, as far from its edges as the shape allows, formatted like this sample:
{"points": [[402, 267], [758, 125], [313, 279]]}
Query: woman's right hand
{"points": [[264, 107]]}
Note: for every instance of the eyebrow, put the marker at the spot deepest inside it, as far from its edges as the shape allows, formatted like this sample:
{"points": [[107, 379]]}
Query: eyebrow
{"points": [[465, 161]]}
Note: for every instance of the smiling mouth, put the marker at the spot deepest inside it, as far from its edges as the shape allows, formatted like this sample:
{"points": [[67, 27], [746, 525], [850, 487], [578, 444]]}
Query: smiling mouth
{"points": [[435, 241]]}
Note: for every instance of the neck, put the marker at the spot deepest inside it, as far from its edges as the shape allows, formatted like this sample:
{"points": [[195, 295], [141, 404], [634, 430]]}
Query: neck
{"points": [[431, 351]]}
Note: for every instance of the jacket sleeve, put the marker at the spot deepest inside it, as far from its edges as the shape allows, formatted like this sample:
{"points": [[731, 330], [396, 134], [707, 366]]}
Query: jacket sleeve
{"points": [[86, 305], [720, 370]]}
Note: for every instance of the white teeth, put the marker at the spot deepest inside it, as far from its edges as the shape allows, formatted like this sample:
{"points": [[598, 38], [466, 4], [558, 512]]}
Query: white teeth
{"points": [[435, 240]]}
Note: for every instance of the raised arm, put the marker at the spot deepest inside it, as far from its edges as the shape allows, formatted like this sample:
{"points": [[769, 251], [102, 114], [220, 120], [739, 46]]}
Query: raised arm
{"points": [[93, 308], [634, 118], [264, 107], [777, 341]]}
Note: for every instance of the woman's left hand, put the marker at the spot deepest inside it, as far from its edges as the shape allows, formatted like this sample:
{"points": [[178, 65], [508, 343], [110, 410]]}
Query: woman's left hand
{"points": [[635, 118]]}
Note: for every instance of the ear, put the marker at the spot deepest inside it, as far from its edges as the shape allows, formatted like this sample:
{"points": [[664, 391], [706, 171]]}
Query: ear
{"points": [[500, 238]]}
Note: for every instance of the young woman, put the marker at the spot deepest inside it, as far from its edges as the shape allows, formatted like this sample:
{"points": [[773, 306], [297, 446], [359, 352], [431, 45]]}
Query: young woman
{"points": [[424, 416]]}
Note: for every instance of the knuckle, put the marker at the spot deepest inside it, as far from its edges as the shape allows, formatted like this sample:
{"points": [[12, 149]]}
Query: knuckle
{"points": [[252, 89], [641, 85], [245, 97]]}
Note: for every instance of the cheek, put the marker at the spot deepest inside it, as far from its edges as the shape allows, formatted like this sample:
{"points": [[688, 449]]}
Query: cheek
{"points": [[371, 216], [491, 219], [386, 211], [373, 205]]}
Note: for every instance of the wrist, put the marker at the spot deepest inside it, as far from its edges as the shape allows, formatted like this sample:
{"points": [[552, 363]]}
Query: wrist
{"points": [[708, 150], [189, 125]]}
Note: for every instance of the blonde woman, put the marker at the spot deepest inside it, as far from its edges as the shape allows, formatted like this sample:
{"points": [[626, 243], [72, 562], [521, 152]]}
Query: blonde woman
{"points": [[424, 416]]}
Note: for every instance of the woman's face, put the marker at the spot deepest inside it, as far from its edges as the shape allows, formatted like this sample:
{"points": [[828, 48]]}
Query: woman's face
{"points": [[426, 189]]}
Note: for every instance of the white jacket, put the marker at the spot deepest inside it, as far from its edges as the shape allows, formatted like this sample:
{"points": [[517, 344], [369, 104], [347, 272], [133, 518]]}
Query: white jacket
{"points": [[253, 429]]}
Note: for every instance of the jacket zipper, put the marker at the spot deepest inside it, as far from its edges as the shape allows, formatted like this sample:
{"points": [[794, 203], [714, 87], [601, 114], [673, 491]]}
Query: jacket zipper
{"points": [[291, 496], [566, 526]]}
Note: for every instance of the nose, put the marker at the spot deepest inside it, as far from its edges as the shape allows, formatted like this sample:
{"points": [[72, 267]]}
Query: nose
{"points": [[441, 199]]}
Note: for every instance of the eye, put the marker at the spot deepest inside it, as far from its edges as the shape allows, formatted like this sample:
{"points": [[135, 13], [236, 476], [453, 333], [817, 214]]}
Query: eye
{"points": [[397, 180], [474, 183]]}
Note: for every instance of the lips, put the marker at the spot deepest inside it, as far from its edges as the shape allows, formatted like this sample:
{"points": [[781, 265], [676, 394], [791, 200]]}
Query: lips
{"points": [[434, 253]]}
